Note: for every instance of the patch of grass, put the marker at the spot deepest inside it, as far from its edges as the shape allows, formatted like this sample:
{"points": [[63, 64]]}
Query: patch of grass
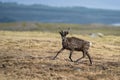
{"points": [[27, 55]]}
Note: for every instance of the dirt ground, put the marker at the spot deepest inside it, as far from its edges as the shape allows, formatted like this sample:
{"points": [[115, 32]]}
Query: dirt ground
{"points": [[25, 56]]}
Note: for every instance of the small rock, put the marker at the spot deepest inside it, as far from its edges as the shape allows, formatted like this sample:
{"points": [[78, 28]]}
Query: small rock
{"points": [[77, 69]]}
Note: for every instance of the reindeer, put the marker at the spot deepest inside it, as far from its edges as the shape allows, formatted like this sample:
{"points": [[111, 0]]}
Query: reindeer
{"points": [[74, 44]]}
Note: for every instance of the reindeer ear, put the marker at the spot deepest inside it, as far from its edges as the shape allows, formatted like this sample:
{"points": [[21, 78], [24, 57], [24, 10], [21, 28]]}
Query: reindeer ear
{"points": [[60, 32]]}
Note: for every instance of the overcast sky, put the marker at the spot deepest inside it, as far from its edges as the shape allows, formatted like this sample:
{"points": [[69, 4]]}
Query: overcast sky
{"points": [[104, 4]]}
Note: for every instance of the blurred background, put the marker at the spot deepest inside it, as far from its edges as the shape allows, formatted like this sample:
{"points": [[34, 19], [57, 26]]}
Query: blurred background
{"points": [[47, 15]]}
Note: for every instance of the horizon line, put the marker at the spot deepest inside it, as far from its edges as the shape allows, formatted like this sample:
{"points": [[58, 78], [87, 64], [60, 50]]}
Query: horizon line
{"points": [[60, 6]]}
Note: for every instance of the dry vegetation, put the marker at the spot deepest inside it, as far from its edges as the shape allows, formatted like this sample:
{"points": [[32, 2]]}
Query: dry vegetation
{"points": [[27, 56]]}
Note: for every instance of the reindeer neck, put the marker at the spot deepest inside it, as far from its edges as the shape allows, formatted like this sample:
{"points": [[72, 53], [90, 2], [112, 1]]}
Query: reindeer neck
{"points": [[64, 39], [64, 42]]}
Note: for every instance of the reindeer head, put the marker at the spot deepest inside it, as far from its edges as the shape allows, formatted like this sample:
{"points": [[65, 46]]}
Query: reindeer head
{"points": [[64, 33]]}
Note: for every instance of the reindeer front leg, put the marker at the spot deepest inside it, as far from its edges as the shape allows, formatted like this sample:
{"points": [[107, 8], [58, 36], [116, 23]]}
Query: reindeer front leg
{"points": [[58, 53], [71, 55]]}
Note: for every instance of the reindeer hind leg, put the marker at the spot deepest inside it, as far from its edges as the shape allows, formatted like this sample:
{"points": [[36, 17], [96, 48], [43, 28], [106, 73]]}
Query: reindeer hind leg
{"points": [[89, 57]]}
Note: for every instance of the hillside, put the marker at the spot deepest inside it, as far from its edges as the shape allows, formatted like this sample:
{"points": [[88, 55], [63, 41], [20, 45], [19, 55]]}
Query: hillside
{"points": [[13, 12], [54, 27]]}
